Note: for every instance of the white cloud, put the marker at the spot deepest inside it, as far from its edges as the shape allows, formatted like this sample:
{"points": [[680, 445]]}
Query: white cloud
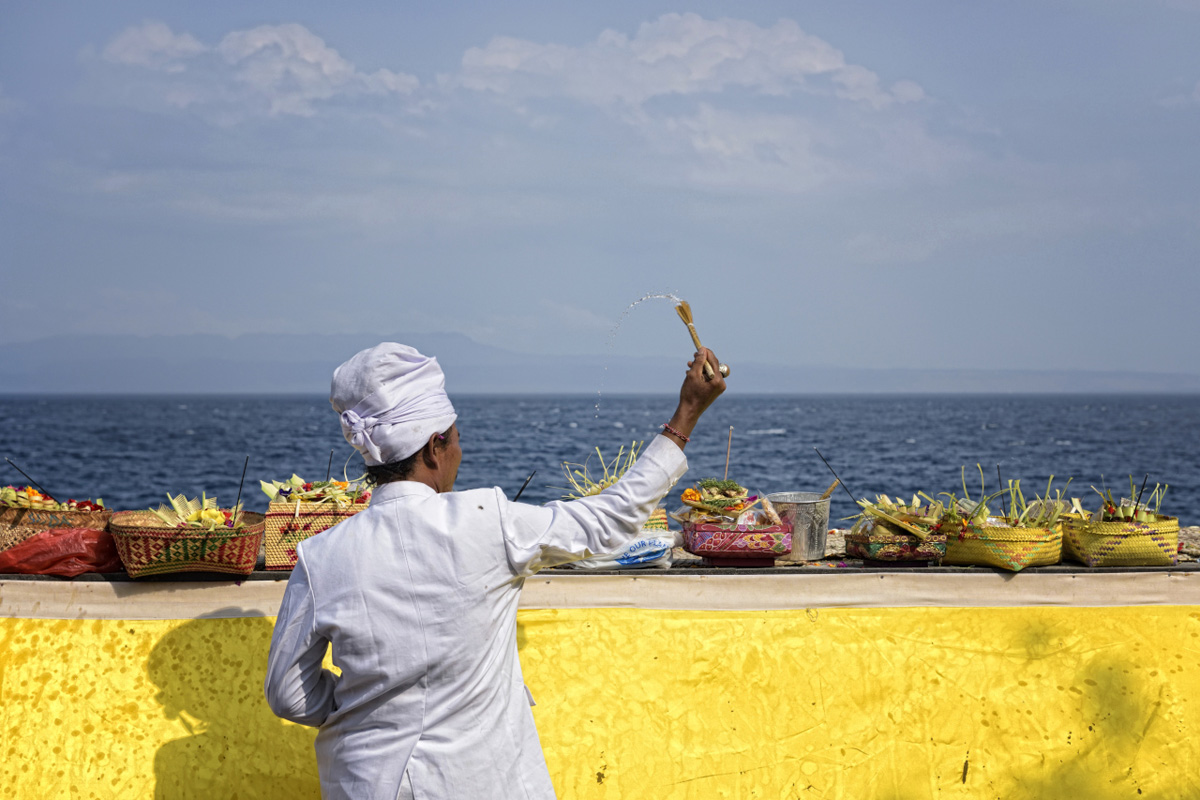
{"points": [[153, 45], [717, 105], [291, 67], [735, 105], [271, 69], [740, 150], [677, 54]]}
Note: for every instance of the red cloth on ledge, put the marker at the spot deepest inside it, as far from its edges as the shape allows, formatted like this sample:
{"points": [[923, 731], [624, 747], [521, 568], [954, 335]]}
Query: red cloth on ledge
{"points": [[66, 552]]}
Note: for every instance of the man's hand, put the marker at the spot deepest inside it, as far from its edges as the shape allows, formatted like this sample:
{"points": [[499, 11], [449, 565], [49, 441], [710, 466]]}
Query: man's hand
{"points": [[696, 395]]}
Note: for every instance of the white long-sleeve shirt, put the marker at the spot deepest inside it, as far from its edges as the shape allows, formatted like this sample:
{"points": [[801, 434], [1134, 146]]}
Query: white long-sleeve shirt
{"points": [[418, 596]]}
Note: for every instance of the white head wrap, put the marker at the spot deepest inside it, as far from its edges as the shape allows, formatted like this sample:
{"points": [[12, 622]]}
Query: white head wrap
{"points": [[391, 400]]}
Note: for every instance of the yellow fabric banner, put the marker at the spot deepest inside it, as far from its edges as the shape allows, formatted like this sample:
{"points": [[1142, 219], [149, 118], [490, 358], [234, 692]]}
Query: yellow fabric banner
{"points": [[659, 704]]}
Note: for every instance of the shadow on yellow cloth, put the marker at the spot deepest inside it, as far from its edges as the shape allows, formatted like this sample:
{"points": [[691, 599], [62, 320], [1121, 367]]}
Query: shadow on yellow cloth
{"points": [[880, 704], [236, 748]]}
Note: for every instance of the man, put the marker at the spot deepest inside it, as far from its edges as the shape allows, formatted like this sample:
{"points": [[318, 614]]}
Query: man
{"points": [[418, 595]]}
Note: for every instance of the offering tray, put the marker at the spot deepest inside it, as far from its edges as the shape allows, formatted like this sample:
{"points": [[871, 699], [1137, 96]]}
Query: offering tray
{"points": [[881, 545], [733, 545]]}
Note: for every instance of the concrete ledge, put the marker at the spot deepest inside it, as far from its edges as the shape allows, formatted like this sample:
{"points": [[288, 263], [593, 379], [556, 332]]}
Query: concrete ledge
{"points": [[40, 599]]}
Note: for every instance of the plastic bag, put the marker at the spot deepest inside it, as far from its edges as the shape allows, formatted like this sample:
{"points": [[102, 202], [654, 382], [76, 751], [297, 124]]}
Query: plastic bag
{"points": [[66, 552], [652, 550]]}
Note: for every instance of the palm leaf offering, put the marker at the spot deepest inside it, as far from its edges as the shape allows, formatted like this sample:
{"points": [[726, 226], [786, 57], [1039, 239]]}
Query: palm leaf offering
{"points": [[718, 497], [337, 493], [924, 515], [1015, 511], [29, 497], [202, 512], [1127, 509], [584, 484], [915, 517], [715, 501], [1042, 512]]}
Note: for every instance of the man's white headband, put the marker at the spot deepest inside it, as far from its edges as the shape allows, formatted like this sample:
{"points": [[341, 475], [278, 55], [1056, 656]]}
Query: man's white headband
{"points": [[390, 399]]}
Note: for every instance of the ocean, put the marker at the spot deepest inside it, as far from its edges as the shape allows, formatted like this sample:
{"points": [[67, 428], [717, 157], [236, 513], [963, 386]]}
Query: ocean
{"points": [[132, 451]]}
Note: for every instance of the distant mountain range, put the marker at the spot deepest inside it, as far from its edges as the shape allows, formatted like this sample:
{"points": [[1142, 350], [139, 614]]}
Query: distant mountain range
{"points": [[303, 364]]}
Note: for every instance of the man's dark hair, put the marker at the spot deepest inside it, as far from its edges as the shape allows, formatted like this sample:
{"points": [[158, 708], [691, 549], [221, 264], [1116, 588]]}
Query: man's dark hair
{"points": [[395, 471], [400, 470]]}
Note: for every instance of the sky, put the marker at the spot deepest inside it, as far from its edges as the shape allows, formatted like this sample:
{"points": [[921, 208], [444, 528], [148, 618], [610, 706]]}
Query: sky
{"points": [[1008, 185]]}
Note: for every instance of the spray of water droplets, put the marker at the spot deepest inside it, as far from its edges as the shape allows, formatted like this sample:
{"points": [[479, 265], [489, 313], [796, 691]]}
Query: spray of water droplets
{"points": [[612, 335]]}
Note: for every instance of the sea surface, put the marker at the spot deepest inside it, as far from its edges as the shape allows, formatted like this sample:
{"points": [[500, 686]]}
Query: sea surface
{"points": [[132, 451]]}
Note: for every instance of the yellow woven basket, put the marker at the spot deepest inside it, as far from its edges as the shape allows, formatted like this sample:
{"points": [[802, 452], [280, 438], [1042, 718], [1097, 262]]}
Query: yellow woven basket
{"points": [[1007, 548], [657, 521], [288, 524], [1122, 544]]}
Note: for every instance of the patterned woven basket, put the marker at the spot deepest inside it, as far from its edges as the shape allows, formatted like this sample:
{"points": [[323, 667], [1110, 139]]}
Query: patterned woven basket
{"points": [[13, 535], [737, 545], [288, 524], [657, 521], [43, 519], [1122, 544], [732, 540], [1007, 548], [147, 547], [878, 541]]}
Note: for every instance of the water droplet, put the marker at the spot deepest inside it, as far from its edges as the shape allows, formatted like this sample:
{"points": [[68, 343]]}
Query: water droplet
{"points": [[612, 335]]}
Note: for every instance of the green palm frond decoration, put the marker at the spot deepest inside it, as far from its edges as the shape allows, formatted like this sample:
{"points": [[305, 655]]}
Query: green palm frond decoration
{"points": [[583, 484]]}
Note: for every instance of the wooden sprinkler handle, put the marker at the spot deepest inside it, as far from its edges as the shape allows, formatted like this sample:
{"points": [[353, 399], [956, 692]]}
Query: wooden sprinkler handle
{"points": [[708, 370]]}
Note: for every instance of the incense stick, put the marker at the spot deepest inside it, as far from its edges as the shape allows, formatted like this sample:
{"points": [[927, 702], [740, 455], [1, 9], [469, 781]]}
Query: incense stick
{"points": [[31, 480], [1000, 481], [233, 516], [329, 469], [839, 480], [728, 447], [521, 491], [1137, 503]]}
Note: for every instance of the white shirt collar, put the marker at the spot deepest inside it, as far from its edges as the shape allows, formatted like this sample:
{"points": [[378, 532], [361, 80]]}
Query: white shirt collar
{"points": [[398, 489]]}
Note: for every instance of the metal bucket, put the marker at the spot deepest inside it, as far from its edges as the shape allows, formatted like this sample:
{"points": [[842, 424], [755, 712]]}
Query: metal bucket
{"points": [[808, 515]]}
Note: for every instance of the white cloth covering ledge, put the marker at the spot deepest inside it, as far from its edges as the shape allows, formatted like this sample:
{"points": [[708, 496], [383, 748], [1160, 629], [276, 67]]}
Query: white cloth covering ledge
{"points": [[418, 596]]}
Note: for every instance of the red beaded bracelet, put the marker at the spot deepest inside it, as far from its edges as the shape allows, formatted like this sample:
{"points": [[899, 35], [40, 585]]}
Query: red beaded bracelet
{"points": [[674, 432]]}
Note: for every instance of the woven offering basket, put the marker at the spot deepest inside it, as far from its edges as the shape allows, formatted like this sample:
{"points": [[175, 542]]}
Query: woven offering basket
{"points": [[13, 535], [148, 547], [288, 524], [878, 541], [1122, 544], [657, 521], [1007, 548], [44, 519]]}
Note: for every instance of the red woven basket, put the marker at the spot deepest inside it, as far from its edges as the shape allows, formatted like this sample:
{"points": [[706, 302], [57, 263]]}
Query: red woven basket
{"points": [[147, 547]]}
